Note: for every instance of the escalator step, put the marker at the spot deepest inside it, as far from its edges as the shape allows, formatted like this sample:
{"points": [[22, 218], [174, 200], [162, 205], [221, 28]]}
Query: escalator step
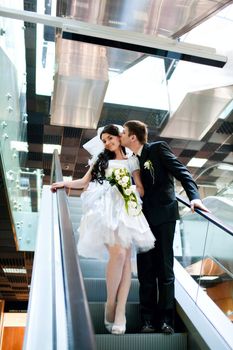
{"points": [[177, 341], [97, 268], [93, 268], [74, 202], [132, 315], [96, 290]]}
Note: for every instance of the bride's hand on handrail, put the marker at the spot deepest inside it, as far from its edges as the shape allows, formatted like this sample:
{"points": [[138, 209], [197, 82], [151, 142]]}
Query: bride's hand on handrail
{"points": [[57, 185]]}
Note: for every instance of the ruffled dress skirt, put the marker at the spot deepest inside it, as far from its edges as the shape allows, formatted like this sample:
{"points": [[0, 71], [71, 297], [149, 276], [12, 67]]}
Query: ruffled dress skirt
{"points": [[106, 222]]}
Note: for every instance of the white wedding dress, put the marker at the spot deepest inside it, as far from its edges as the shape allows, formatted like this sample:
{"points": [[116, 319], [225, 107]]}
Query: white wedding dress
{"points": [[105, 220]]}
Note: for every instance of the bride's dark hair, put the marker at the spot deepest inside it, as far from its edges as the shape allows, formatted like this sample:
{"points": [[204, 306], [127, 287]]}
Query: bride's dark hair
{"points": [[98, 170]]}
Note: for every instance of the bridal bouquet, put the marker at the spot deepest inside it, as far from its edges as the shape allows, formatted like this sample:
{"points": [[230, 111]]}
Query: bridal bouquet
{"points": [[120, 178]]}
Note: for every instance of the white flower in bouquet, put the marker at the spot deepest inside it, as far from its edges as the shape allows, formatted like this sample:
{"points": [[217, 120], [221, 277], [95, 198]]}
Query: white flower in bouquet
{"points": [[133, 208], [125, 179], [132, 204], [128, 191]]}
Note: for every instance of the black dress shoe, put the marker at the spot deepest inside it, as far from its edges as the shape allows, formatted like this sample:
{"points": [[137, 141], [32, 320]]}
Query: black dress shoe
{"points": [[166, 329], [147, 327]]}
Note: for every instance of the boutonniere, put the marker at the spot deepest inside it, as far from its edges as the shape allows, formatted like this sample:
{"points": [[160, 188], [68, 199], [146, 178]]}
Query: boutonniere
{"points": [[149, 166]]}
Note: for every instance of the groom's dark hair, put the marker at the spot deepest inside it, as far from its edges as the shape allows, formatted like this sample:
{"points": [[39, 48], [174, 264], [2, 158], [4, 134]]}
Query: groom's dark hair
{"points": [[137, 128]]}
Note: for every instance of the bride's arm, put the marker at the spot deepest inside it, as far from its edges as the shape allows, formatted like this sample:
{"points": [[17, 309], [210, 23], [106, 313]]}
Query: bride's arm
{"points": [[138, 182], [74, 184]]}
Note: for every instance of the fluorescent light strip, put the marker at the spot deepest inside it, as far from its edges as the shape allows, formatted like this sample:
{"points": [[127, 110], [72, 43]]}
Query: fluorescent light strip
{"points": [[208, 278], [14, 270]]}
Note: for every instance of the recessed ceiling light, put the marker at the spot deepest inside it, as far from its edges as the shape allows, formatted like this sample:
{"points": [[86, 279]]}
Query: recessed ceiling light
{"points": [[197, 162], [67, 178], [47, 148], [19, 146]]}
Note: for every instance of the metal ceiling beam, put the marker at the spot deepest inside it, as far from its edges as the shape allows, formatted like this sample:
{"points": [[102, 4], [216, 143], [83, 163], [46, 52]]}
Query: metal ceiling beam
{"points": [[198, 112], [122, 39]]}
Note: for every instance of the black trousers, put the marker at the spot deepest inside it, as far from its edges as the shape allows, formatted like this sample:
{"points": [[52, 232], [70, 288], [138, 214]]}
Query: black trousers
{"points": [[156, 277]]}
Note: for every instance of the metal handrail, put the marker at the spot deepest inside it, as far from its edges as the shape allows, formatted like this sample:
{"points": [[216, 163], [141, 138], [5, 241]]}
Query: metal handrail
{"points": [[210, 217], [79, 326]]}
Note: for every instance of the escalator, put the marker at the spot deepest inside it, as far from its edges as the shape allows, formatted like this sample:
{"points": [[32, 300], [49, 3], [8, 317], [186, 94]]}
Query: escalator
{"points": [[200, 260], [94, 278], [77, 313]]}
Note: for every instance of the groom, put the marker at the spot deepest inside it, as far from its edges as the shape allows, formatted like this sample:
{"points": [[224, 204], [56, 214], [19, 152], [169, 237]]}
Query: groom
{"points": [[155, 268]]}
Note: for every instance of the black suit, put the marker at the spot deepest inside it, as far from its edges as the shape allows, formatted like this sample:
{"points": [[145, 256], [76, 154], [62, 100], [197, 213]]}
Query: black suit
{"points": [[155, 268]]}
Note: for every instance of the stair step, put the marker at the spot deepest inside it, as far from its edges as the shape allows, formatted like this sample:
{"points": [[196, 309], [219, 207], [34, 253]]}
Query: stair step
{"points": [[96, 290], [177, 341]]}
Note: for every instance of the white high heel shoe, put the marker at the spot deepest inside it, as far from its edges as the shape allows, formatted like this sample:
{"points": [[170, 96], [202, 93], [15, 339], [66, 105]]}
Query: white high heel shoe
{"points": [[119, 328], [108, 325]]}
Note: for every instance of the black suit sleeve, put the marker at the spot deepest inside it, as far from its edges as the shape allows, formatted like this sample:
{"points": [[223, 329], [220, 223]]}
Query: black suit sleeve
{"points": [[178, 170]]}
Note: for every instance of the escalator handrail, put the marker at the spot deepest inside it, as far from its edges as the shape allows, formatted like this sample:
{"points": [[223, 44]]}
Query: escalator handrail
{"points": [[79, 326], [208, 216]]}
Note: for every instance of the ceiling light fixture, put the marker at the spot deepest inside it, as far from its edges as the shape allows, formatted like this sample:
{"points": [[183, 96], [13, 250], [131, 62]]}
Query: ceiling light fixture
{"points": [[227, 167], [208, 278], [197, 162], [14, 270], [49, 149], [19, 146]]}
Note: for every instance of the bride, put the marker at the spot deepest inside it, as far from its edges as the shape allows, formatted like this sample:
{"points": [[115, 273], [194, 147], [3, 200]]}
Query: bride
{"points": [[112, 220]]}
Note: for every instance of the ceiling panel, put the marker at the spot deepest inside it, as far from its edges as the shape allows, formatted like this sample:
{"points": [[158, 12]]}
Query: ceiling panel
{"points": [[80, 84], [198, 112], [82, 74], [160, 17]]}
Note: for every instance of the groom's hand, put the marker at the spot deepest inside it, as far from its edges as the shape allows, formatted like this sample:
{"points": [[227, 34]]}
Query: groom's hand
{"points": [[197, 203]]}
